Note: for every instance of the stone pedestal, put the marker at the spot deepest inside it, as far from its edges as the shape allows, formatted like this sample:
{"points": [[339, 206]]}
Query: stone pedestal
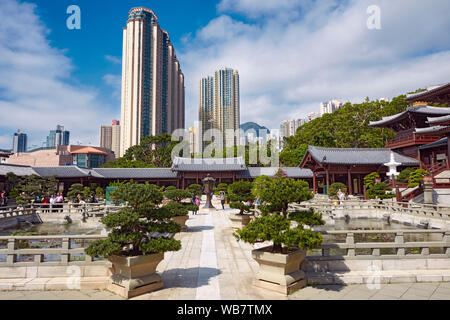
{"points": [[134, 276], [428, 192], [181, 220], [238, 221], [280, 272]]}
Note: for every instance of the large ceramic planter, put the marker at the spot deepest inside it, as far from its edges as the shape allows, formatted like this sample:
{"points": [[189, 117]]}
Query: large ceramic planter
{"points": [[238, 221], [181, 220], [280, 272], [133, 276]]}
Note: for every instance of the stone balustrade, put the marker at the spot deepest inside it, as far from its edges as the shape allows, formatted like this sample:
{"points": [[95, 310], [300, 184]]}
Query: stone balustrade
{"points": [[63, 246], [349, 248]]}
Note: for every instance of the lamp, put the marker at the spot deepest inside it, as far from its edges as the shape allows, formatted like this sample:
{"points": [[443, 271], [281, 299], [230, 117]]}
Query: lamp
{"points": [[393, 173], [209, 184]]}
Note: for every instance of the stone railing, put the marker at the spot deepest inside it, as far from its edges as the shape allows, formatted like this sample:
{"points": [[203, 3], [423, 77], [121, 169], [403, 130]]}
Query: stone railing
{"points": [[35, 248], [415, 209], [350, 249], [86, 209]]}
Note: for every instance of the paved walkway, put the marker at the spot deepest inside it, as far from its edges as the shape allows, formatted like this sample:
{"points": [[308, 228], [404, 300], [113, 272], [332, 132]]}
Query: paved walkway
{"points": [[213, 265]]}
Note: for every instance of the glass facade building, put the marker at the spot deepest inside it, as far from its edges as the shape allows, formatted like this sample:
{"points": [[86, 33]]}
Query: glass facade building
{"points": [[19, 142]]}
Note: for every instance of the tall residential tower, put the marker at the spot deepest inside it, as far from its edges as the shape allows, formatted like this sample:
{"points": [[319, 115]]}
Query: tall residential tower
{"points": [[152, 81], [219, 106]]}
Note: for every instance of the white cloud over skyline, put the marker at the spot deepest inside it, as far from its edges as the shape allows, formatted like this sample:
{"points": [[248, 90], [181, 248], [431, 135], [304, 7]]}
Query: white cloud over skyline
{"points": [[303, 53], [35, 83]]}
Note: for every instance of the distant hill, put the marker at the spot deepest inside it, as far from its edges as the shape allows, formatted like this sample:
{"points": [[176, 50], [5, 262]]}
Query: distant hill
{"points": [[252, 125]]}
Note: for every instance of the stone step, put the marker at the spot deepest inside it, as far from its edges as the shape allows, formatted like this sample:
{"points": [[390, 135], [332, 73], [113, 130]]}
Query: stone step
{"points": [[373, 277], [59, 283]]}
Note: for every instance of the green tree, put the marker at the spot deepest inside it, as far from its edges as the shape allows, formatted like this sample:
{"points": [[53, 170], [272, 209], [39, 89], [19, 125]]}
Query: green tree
{"points": [[334, 189], [33, 186], [221, 187], [74, 190], [380, 191], [404, 175], [195, 189], [369, 180], [278, 193], [416, 177], [239, 193], [134, 227]]}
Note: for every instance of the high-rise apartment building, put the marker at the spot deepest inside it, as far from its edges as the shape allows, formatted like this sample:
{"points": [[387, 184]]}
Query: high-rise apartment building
{"points": [[152, 81], [330, 106], [19, 142], [219, 106], [110, 137], [58, 137]]}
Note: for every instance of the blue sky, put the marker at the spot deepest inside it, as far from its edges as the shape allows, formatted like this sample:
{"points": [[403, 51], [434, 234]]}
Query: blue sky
{"points": [[291, 55]]}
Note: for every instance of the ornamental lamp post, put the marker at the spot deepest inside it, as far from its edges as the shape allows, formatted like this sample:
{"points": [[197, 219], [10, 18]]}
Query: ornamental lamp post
{"points": [[393, 173], [208, 186]]}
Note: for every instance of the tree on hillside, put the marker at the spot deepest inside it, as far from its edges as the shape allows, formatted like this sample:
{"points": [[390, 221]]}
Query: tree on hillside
{"points": [[347, 127], [152, 152]]}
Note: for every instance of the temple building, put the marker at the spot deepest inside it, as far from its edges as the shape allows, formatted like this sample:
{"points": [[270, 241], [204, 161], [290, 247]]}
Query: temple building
{"points": [[435, 94], [349, 166]]}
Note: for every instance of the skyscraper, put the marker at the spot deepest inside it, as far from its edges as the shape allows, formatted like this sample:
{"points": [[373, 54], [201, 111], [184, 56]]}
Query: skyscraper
{"points": [[19, 142], [58, 137], [110, 137], [152, 81], [219, 106]]}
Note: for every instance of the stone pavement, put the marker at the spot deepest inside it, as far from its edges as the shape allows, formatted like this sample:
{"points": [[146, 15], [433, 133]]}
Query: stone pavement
{"points": [[212, 265]]}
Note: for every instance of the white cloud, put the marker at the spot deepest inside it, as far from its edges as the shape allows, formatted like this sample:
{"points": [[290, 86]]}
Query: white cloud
{"points": [[115, 60], [115, 81], [36, 92], [288, 66]]}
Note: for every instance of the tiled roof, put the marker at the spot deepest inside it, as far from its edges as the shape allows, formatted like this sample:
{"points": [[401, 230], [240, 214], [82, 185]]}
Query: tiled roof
{"points": [[136, 173], [438, 119], [442, 142], [414, 109], [209, 164], [292, 172], [65, 172], [91, 150], [435, 88], [16, 169], [431, 129], [358, 156]]}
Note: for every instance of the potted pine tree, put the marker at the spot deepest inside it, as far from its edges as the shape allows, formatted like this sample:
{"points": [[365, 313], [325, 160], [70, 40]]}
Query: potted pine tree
{"points": [[180, 204], [239, 194], [280, 263], [140, 234]]}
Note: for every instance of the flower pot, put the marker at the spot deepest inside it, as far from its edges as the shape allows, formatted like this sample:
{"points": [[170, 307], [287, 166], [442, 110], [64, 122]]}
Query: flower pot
{"points": [[181, 220], [133, 276], [280, 272], [238, 221]]}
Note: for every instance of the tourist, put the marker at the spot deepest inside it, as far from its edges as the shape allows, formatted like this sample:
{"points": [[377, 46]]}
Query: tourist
{"points": [[222, 199], [92, 198], [197, 203], [60, 201], [341, 196], [45, 203], [52, 202], [3, 199]]}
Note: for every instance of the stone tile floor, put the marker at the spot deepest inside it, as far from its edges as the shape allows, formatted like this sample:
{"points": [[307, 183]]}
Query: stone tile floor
{"points": [[213, 265]]}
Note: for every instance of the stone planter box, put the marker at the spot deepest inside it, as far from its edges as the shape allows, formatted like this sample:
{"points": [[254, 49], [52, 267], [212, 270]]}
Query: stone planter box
{"points": [[280, 272], [181, 220], [134, 276], [239, 221]]}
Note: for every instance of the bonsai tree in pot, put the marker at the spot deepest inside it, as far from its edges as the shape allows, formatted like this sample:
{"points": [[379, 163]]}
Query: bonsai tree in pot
{"points": [[239, 193], [140, 234], [289, 232], [180, 204]]}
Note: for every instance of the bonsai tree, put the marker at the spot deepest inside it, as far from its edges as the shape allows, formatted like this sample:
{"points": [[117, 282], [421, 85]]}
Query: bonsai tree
{"points": [[404, 175], [279, 229], [380, 190], [334, 189], [14, 193], [221, 187], [279, 225], [239, 193], [100, 192], [195, 189], [75, 189], [369, 180], [141, 227], [416, 177], [178, 203], [279, 192]]}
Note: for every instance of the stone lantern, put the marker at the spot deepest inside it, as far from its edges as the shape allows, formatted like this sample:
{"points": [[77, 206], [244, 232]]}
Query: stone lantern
{"points": [[393, 173], [208, 186]]}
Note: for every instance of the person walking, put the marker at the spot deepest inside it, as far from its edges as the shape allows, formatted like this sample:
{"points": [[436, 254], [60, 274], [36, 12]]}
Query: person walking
{"points": [[222, 199], [197, 203]]}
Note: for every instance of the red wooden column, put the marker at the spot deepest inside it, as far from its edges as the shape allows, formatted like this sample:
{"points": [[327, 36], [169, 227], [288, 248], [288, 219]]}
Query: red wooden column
{"points": [[349, 176], [314, 183]]}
